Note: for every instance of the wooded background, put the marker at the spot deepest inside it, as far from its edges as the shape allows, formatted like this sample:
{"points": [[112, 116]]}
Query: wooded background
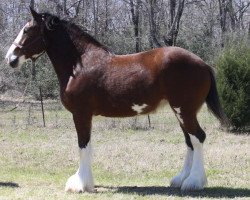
{"points": [[204, 27]]}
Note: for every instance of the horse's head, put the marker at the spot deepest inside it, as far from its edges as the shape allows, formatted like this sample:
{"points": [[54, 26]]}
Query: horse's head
{"points": [[30, 42]]}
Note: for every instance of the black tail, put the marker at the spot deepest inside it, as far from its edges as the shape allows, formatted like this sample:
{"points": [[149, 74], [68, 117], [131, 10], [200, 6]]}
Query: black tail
{"points": [[213, 102]]}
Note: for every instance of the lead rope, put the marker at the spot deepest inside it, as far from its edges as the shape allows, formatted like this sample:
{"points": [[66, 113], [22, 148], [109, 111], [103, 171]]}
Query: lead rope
{"points": [[32, 64], [23, 95]]}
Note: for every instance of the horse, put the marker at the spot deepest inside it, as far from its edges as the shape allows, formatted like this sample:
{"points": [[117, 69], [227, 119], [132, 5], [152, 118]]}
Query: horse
{"points": [[94, 81]]}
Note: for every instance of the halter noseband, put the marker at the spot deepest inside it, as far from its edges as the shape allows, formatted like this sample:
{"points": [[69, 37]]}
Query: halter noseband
{"points": [[28, 45]]}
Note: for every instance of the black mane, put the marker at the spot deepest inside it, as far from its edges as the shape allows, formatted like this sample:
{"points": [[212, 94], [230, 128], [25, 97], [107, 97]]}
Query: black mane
{"points": [[77, 34]]}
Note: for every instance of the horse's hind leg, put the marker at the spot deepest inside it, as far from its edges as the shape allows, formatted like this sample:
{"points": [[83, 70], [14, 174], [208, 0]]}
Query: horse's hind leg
{"points": [[178, 179], [192, 176]]}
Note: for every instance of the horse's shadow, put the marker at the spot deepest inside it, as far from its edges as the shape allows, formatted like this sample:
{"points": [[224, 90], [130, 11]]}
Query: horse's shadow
{"points": [[9, 184], [212, 192]]}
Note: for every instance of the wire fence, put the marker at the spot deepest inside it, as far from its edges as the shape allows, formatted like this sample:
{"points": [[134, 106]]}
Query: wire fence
{"points": [[18, 113]]}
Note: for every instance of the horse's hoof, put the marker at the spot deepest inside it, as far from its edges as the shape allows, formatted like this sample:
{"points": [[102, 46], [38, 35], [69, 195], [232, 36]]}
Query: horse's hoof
{"points": [[177, 181], [75, 184], [192, 183]]}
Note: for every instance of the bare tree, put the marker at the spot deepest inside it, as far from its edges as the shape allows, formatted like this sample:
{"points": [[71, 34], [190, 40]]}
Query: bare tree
{"points": [[154, 42], [176, 8], [223, 15], [174, 23], [33, 70], [32, 4], [135, 8], [234, 10], [95, 12]]}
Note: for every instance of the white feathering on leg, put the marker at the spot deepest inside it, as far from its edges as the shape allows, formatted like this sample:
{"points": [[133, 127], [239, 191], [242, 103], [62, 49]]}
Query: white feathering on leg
{"points": [[178, 180], [82, 180], [197, 178]]}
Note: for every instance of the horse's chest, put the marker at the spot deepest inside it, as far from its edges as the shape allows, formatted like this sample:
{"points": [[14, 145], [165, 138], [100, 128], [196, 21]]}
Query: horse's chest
{"points": [[67, 101]]}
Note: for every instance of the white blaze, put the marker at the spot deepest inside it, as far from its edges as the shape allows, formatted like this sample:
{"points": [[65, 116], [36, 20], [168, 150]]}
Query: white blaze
{"points": [[138, 108], [10, 56], [82, 180]]}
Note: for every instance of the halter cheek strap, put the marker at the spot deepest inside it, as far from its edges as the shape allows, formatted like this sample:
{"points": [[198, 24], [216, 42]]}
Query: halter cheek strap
{"points": [[28, 45]]}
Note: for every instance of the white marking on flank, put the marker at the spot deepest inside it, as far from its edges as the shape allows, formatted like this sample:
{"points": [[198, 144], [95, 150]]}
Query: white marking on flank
{"points": [[138, 108], [82, 180], [178, 114], [178, 180], [197, 178], [178, 110]]}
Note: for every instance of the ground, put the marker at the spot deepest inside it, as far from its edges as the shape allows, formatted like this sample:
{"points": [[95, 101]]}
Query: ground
{"points": [[130, 160]]}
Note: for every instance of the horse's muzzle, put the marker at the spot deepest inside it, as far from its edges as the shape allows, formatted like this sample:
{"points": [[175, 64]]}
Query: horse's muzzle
{"points": [[13, 62]]}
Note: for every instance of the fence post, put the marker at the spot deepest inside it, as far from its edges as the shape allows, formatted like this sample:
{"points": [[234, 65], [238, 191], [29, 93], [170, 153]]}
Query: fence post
{"points": [[149, 121], [41, 99], [29, 114]]}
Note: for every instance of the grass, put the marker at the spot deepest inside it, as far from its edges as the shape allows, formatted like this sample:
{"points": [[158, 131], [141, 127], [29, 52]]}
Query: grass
{"points": [[130, 161]]}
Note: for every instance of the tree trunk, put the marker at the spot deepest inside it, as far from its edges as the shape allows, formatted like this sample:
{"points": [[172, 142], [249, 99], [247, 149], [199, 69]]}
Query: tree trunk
{"points": [[32, 4], [135, 6], [248, 31], [106, 16], [223, 20], [33, 66], [65, 7], [174, 23], [152, 25], [232, 14], [95, 17]]}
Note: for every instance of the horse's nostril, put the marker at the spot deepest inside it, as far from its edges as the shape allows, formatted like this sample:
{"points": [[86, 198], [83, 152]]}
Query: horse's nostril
{"points": [[13, 63]]}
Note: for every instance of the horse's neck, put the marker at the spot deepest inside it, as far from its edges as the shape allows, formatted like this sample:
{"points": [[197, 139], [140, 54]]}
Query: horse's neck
{"points": [[63, 64], [65, 54], [65, 61]]}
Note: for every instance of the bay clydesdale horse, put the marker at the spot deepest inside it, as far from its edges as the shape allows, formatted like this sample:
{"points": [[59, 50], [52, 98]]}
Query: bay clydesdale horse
{"points": [[94, 81]]}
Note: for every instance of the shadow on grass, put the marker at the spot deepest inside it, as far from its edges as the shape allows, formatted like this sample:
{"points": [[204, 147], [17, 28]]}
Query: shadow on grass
{"points": [[212, 192], [9, 184]]}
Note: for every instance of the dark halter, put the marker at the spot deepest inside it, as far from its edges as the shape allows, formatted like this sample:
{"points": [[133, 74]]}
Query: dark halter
{"points": [[28, 45], [24, 47]]}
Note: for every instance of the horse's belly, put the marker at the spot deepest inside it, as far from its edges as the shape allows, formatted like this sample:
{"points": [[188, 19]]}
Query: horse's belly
{"points": [[129, 110]]}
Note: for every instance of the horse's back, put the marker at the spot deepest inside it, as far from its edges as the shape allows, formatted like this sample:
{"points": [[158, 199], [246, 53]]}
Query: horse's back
{"points": [[160, 58]]}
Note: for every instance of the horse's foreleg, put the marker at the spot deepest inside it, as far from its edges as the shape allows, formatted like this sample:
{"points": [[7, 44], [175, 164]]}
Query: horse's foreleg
{"points": [[82, 180]]}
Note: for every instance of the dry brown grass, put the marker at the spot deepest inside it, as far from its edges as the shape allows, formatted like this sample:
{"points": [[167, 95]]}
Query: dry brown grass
{"points": [[130, 162]]}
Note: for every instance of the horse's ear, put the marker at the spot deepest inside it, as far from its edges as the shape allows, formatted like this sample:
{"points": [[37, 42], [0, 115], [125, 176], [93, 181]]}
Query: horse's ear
{"points": [[35, 15], [52, 23]]}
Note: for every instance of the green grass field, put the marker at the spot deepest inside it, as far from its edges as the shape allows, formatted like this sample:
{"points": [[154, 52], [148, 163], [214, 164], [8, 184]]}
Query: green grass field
{"points": [[129, 161]]}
